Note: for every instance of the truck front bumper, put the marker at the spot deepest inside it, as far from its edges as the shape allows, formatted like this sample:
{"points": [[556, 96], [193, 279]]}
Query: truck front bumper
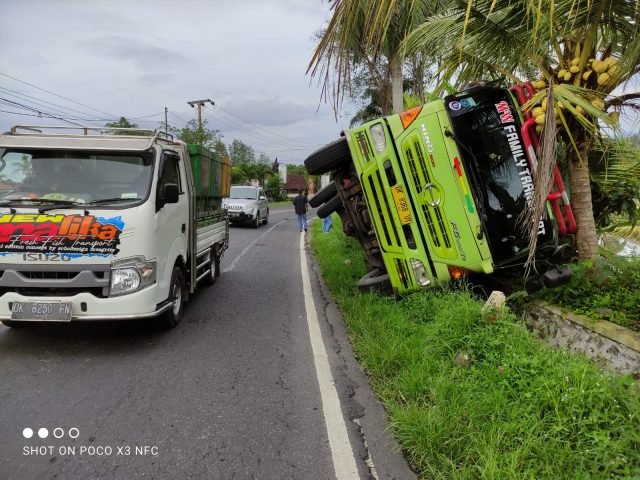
{"points": [[87, 307]]}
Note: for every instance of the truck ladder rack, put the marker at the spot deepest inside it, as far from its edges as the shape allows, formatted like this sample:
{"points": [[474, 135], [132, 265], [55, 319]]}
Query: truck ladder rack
{"points": [[557, 197]]}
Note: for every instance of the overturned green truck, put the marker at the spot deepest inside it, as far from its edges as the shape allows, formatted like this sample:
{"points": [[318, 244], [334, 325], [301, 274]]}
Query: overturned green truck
{"points": [[440, 191]]}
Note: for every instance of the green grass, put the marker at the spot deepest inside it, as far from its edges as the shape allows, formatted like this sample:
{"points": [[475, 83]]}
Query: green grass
{"points": [[607, 289], [518, 411]]}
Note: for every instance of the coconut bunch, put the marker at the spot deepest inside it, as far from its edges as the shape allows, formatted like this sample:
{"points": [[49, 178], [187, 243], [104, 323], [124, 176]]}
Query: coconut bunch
{"points": [[597, 75]]}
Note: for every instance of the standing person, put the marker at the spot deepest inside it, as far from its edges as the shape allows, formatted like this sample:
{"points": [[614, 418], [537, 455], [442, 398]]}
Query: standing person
{"points": [[326, 224], [300, 204]]}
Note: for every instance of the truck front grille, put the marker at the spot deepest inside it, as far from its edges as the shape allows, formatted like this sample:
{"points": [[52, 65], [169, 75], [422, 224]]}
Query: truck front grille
{"points": [[383, 212], [55, 280], [434, 216]]}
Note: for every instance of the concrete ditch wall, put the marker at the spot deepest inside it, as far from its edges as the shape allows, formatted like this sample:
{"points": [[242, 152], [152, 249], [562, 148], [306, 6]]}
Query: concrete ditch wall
{"points": [[610, 345]]}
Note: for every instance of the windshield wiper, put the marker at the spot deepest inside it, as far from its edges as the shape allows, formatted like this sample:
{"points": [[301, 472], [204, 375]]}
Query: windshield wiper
{"points": [[475, 182], [110, 200], [52, 204]]}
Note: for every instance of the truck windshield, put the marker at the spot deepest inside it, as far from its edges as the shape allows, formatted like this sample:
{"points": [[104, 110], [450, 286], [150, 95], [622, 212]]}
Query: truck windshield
{"points": [[249, 193], [487, 123], [106, 179]]}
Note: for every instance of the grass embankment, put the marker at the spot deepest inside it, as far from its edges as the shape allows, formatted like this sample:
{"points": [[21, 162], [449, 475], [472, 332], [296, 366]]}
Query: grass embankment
{"points": [[515, 410], [607, 289]]}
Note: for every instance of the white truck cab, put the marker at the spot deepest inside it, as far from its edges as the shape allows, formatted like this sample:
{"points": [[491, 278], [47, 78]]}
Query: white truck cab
{"points": [[113, 227]]}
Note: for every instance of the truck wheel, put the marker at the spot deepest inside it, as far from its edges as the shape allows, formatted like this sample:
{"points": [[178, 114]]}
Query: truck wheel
{"points": [[327, 193], [328, 158], [375, 280], [331, 206], [266, 219], [256, 221], [214, 269], [177, 295]]}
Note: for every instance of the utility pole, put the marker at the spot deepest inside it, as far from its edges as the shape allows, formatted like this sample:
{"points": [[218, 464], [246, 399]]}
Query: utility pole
{"points": [[200, 104], [166, 122]]}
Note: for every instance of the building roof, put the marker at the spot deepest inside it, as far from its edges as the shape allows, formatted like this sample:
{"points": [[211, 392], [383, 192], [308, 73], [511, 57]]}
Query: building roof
{"points": [[295, 181]]}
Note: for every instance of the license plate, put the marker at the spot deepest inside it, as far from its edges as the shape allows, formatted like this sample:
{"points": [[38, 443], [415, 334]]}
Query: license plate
{"points": [[44, 311], [232, 214], [401, 204]]}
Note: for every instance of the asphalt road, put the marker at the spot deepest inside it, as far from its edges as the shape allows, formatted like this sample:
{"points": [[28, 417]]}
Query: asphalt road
{"points": [[231, 393]]}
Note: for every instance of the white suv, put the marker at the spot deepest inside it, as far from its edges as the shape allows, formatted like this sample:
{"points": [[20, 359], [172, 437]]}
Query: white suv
{"points": [[247, 204]]}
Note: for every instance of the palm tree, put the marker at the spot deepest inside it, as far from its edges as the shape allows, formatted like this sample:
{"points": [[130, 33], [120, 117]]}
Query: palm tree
{"points": [[369, 35], [583, 51]]}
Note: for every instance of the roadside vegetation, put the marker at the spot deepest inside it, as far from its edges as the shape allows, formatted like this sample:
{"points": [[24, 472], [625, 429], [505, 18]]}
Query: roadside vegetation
{"points": [[607, 289], [473, 397]]}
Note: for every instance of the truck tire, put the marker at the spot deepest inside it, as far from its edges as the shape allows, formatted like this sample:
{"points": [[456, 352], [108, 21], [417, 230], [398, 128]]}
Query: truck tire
{"points": [[256, 222], [375, 280], [214, 269], [331, 206], [327, 193], [266, 218], [328, 158], [177, 295]]}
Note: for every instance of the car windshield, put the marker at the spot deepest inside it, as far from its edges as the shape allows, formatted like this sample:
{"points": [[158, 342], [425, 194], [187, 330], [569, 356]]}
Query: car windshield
{"points": [[486, 123], [71, 176], [249, 193]]}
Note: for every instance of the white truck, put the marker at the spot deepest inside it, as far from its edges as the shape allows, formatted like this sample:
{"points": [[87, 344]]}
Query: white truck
{"points": [[104, 225]]}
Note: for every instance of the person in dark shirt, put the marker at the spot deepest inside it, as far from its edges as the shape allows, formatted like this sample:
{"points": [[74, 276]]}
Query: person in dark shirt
{"points": [[300, 204]]}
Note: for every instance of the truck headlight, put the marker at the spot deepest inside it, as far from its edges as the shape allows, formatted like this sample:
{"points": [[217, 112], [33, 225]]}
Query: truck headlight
{"points": [[379, 138], [131, 274], [420, 273]]}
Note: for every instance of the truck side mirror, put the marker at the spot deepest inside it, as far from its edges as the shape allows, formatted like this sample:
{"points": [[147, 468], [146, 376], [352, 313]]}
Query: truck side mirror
{"points": [[170, 194]]}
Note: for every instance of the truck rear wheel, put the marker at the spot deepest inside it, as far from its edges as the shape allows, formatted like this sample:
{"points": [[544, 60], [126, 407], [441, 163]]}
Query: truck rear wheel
{"points": [[177, 296], [331, 206], [214, 269], [328, 158], [327, 193]]}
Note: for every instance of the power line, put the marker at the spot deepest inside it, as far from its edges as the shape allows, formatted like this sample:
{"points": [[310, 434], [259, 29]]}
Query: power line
{"points": [[178, 117], [30, 103], [55, 94], [257, 126], [237, 125], [20, 94], [12, 103], [17, 94]]}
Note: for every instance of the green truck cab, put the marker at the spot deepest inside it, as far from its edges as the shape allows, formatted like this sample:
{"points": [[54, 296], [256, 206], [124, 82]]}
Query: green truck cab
{"points": [[440, 191]]}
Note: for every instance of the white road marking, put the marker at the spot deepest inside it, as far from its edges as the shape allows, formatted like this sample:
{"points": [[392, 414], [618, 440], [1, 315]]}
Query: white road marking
{"points": [[248, 247], [344, 463]]}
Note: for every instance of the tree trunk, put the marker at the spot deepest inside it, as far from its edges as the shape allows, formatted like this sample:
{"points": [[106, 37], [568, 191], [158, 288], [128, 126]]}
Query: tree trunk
{"points": [[586, 238], [396, 84]]}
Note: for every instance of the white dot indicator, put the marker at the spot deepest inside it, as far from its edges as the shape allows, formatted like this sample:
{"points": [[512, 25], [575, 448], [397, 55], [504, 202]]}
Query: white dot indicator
{"points": [[27, 433], [43, 433], [74, 432], [58, 432]]}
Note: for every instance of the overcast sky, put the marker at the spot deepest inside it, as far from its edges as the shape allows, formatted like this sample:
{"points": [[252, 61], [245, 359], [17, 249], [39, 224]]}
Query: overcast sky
{"points": [[132, 58]]}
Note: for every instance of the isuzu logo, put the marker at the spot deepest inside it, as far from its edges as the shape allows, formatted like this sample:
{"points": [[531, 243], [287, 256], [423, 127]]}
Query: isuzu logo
{"points": [[431, 195]]}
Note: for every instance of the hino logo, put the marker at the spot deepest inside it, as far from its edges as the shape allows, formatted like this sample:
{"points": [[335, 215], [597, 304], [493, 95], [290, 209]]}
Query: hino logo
{"points": [[43, 257], [431, 195], [427, 140]]}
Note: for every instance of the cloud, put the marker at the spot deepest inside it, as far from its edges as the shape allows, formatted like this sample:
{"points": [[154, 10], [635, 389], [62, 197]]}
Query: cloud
{"points": [[139, 52], [270, 111]]}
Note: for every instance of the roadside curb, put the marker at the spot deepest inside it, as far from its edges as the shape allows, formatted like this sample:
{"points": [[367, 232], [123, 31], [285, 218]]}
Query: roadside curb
{"points": [[385, 459]]}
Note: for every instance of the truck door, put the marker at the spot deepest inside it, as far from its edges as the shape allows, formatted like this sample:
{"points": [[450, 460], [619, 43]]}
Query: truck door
{"points": [[171, 218]]}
